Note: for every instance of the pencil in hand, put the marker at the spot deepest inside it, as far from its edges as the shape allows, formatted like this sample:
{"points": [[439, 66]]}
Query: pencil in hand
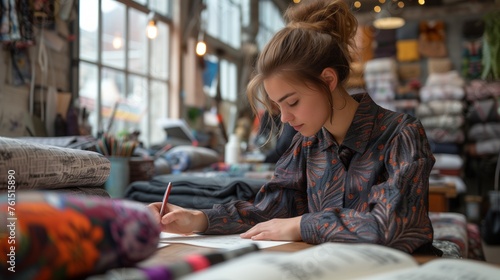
{"points": [[164, 202]]}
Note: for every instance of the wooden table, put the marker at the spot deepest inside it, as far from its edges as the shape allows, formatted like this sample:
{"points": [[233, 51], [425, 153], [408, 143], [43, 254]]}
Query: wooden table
{"points": [[177, 251]]}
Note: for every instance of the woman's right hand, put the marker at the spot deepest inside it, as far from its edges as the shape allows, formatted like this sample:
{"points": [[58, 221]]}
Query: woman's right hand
{"points": [[179, 220]]}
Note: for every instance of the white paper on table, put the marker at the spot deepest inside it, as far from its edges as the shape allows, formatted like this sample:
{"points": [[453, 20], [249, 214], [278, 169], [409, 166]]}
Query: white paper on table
{"points": [[161, 245], [216, 241]]}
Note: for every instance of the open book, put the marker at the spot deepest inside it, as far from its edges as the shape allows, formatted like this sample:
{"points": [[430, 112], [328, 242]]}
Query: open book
{"points": [[345, 261]]}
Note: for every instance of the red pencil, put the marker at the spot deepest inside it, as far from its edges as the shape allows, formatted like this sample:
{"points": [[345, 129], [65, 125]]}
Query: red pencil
{"points": [[165, 199]]}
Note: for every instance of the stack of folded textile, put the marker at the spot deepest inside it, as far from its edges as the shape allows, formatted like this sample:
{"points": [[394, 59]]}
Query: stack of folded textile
{"points": [[381, 80], [442, 113], [483, 118]]}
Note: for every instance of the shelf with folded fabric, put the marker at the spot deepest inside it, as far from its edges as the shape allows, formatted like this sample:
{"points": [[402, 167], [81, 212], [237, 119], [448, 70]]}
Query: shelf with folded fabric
{"points": [[483, 132], [381, 81], [442, 113]]}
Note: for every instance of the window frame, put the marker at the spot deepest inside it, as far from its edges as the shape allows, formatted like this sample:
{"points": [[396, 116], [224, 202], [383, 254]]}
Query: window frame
{"points": [[146, 125]]}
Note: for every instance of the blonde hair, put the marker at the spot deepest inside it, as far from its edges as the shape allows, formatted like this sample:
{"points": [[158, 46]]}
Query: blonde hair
{"points": [[318, 35]]}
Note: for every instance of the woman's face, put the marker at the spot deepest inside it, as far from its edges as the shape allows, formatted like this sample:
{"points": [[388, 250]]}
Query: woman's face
{"points": [[304, 108]]}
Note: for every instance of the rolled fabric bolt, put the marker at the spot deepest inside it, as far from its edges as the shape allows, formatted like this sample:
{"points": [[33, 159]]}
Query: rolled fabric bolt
{"points": [[157, 273], [199, 262]]}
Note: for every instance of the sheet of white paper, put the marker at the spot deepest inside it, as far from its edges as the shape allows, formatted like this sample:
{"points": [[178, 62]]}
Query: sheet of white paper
{"points": [[161, 245], [216, 241]]}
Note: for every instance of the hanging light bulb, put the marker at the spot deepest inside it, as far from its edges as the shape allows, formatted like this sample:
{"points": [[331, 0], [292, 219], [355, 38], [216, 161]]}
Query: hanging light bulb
{"points": [[152, 30], [201, 48], [117, 42]]}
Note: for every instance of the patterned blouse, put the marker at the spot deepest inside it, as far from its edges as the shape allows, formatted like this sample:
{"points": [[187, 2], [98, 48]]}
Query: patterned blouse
{"points": [[373, 188]]}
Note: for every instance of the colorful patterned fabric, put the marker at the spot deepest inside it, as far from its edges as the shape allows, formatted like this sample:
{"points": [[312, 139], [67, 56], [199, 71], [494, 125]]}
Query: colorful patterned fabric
{"points": [[381, 197], [451, 227], [472, 55], [475, 247], [481, 89], [56, 236]]}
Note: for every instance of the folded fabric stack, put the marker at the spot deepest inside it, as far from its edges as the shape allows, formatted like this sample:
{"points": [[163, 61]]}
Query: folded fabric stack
{"points": [[441, 112], [483, 117], [407, 42], [382, 80], [408, 68], [195, 189]]}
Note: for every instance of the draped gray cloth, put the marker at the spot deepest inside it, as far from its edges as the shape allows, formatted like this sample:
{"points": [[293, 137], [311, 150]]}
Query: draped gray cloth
{"points": [[195, 190]]}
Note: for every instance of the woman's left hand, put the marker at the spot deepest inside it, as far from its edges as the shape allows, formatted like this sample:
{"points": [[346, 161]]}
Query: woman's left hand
{"points": [[276, 229]]}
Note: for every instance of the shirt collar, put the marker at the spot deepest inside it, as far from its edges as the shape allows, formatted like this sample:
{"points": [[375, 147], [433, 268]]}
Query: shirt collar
{"points": [[360, 130]]}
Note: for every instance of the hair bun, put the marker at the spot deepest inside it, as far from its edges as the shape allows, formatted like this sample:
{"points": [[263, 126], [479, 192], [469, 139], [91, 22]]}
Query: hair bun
{"points": [[325, 16]]}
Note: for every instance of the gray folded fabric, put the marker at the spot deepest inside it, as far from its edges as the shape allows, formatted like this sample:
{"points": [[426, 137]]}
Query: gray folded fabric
{"points": [[440, 107], [445, 135], [196, 190], [488, 147], [482, 111], [484, 131], [443, 121]]}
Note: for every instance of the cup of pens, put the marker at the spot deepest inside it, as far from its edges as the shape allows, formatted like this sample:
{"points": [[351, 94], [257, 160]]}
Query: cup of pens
{"points": [[118, 152]]}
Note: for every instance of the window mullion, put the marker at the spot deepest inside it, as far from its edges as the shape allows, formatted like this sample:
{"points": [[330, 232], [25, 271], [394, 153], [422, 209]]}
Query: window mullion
{"points": [[100, 127]]}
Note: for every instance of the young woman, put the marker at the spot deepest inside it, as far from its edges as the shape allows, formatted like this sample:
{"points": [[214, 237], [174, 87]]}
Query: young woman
{"points": [[355, 172]]}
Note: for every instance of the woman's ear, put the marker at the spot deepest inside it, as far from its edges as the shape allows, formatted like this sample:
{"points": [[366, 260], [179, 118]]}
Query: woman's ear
{"points": [[329, 75]]}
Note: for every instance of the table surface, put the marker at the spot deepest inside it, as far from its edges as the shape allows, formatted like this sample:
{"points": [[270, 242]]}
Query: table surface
{"points": [[177, 251]]}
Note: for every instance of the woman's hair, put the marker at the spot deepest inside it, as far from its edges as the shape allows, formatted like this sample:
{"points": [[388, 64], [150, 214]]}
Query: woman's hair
{"points": [[318, 35]]}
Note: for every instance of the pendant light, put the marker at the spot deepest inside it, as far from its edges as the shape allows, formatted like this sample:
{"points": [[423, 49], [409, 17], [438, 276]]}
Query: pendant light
{"points": [[387, 18]]}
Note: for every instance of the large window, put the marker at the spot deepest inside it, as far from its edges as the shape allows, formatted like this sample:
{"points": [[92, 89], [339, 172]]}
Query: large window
{"points": [[223, 20], [123, 75], [270, 21]]}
